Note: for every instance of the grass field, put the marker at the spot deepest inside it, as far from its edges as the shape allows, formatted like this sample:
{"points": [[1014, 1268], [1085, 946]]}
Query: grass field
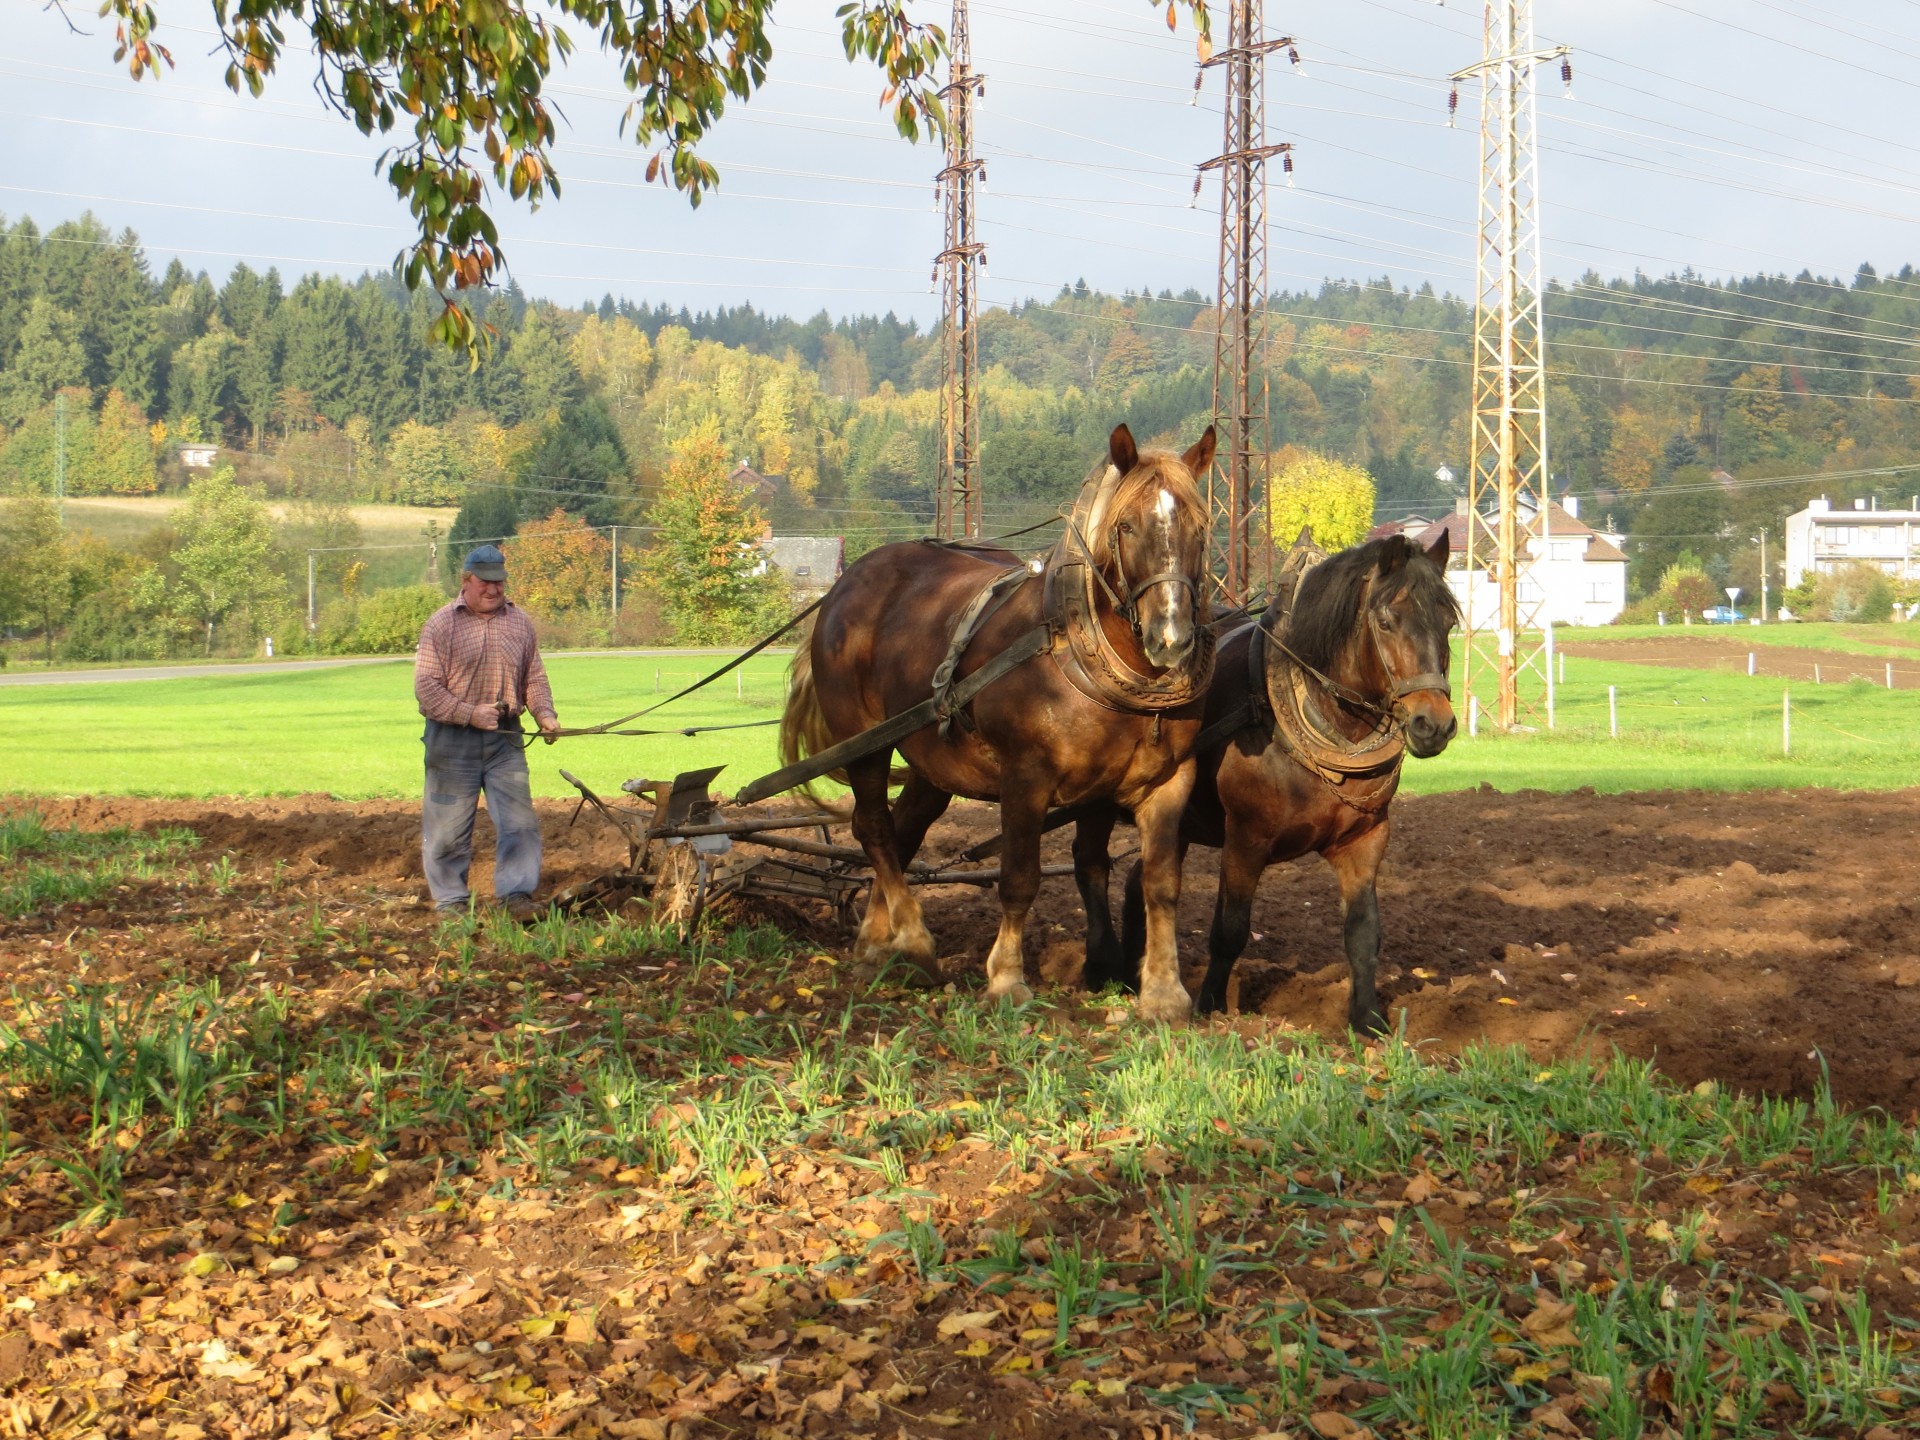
{"points": [[1891, 640], [355, 733], [122, 520], [291, 1158]]}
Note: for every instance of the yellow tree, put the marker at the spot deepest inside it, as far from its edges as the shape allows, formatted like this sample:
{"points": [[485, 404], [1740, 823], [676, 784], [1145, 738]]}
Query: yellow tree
{"points": [[1332, 496], [560, 565]]}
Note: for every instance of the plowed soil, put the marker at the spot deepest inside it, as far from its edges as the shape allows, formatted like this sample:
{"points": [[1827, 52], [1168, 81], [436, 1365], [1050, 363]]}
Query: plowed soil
{"points": [[1750, 939]]}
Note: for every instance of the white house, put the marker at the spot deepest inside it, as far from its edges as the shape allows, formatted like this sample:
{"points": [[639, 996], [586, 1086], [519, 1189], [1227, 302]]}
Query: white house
{"points": [[199, 454], [1573, 575], [1822, 539]]}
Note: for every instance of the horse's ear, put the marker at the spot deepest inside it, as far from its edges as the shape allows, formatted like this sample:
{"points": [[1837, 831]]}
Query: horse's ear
{"points": [[1200, 455], [1395, 552], [1121, 450], [1438, 550]]}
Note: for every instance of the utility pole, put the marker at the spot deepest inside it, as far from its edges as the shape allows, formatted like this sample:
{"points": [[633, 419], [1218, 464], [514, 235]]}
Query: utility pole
{"points": [[1508, 474], [1763, 574], [613, 585], [960, 265], [310, 624], [1242, 532], [60, 456]]}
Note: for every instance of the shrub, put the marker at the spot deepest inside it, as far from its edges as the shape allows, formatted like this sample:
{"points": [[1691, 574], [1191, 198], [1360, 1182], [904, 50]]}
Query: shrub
{"points": [[389, 621], [1859, 592]]}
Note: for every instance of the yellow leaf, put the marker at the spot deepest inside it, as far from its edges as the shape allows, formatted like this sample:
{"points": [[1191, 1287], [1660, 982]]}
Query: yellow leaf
{"points": [[1531, 1374], [976, 1349], [1506, 1000], [205, 1263], [1386, 1224], [1013, 1364], [1113, 1387], [240, 1200], [971, 1320], [539, 1327]]}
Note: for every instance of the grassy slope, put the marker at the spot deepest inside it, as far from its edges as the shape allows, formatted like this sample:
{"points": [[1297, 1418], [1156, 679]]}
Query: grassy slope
{"points": [[122, 520], [354, 733]]}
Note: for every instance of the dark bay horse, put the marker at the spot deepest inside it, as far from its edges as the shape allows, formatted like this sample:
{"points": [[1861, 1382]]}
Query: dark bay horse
{"points": [[1356, 677], [1036, 736]]}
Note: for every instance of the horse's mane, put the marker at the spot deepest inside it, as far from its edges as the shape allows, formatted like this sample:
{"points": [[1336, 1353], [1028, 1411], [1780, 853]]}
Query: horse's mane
{"points": [[1156, 470], [1328, 606]]}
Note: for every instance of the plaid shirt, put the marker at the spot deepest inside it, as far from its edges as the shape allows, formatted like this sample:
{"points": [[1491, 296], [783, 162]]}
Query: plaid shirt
{"points": [[467, 662]]}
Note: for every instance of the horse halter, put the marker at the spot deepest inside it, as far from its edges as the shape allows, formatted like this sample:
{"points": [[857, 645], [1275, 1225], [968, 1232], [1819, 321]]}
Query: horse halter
{"points": [[1392, 714], [1129, 608]]}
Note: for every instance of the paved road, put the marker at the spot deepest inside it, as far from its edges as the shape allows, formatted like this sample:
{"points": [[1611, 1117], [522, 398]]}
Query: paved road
{"points": [[267, 667]]}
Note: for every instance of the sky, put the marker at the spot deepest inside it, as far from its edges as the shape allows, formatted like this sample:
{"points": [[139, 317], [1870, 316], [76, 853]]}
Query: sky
{"points": [[1731, 136]]}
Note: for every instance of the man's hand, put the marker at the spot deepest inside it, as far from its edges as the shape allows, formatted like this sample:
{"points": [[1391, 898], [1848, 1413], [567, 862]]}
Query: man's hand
{"points": [[485, 717], [549, 727]]}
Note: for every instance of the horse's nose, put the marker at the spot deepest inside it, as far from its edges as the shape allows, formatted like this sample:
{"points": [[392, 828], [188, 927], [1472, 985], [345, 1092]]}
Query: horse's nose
{"points": [[1428, 736]]}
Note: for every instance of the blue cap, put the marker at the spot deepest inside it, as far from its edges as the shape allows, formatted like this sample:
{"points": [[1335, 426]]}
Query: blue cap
{"points": [[487, 562]]}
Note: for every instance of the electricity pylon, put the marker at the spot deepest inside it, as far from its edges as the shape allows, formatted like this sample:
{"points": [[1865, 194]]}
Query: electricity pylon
{"points": [[1508, 479], [960, 265], [1236, 485]]}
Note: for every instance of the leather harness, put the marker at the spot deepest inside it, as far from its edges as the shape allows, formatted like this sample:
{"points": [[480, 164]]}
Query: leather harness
{"points": [[1281, 700], [1069, 630]]}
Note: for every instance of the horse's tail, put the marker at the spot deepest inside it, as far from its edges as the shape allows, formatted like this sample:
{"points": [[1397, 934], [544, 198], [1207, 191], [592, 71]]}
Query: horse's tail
{"points": [[803, 727]]}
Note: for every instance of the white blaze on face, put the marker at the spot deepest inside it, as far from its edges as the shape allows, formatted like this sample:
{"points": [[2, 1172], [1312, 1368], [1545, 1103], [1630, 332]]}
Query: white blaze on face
{"points": [[1170, 617]]}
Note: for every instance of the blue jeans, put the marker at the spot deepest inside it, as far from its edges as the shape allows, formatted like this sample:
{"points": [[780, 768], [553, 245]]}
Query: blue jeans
{"points": [[461, 763]]}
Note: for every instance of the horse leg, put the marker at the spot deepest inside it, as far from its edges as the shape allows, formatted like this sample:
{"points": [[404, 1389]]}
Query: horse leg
{"points": [[1355, 865], [1162, 995], [1023, 809], [892, 927], [919, 804], [1092, 869], [1242, 862]]}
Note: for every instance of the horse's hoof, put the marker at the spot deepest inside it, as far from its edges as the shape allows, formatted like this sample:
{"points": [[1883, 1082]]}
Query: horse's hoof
{"points": [[1170, 1009], [1372, 1023], [1018, 993], [1210, 1004]]}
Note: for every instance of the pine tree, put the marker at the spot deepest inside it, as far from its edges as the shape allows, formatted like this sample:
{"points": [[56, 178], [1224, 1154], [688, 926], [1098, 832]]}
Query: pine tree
{"points": [[49, 358]]}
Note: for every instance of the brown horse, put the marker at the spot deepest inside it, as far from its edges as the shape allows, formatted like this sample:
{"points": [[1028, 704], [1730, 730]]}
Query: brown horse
{"points": [[1037, 736], [1305, 735]]}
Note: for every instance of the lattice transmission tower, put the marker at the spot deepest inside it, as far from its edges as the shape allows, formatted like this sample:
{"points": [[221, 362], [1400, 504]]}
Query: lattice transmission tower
{"points": [[960, 266], [1236, 486], [1509, 642]]}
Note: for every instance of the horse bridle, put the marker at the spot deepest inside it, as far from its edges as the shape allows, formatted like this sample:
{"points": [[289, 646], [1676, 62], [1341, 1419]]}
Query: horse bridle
{"points": [[1392, 714], [1126, 601]]}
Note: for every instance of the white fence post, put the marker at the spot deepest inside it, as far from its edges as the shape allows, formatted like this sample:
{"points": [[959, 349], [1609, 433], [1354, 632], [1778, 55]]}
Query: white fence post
{"points": [[1613, 712], [1786, 723], [1473, 716], [1749, 662], [1889, 674]]}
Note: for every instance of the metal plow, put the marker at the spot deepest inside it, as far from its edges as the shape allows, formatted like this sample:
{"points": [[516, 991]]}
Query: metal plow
{"points": [[683, 854]]}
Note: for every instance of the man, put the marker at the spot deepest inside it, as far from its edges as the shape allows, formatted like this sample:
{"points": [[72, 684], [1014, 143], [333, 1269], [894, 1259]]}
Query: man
{"points": [[477, 671]]}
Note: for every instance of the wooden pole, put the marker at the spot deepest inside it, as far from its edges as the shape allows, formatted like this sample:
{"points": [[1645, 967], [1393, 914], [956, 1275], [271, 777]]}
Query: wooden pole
{"points": [[1613, 712], [1786, 723]]}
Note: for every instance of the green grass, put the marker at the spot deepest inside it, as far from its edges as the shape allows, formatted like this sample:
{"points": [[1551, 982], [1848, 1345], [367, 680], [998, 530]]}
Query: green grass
{"points": [[354, 732], [41, 867], [1891, 640], [1690, 729]]}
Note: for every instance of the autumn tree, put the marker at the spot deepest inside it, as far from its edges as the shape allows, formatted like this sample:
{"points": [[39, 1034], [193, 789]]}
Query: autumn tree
{"points": [[560, 565], [1332, 496], [705, 560]]}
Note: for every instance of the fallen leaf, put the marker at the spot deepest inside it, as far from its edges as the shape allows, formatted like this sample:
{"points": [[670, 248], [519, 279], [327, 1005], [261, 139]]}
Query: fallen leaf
{"points": [[971, 1320], [1332, 1424]]}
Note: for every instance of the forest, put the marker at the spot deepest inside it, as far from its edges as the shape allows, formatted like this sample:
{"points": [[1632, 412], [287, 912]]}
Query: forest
{"points": [[324, 394]]}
